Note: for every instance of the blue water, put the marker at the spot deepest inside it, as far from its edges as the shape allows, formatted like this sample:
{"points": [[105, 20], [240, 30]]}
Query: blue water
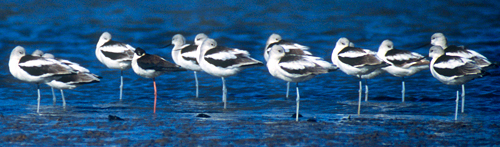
{"points": [[258, 112]]}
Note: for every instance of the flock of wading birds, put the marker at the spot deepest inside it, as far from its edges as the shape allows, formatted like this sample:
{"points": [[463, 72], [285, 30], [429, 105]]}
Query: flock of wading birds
{"points": [[286, 60]]}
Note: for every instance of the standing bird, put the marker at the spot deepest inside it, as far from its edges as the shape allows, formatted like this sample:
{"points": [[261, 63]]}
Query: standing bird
{"points": [[295, 68], [39, 53], [185, 54], [403, 63], [355, 62], [367, 76], [223, 62], [35, 69], [151, 66], [290, 47], [114, 55], [438, 39], [452, 70], [83, 76]]}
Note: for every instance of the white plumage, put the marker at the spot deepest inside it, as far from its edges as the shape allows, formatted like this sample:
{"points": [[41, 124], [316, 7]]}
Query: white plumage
{"points": [[295, 68], [362, 63], [402, 63], [35, 69], [453, 70], [289, 47], [185, 54], [222, 62], [83, 76], [438, 39], [114, 55]]}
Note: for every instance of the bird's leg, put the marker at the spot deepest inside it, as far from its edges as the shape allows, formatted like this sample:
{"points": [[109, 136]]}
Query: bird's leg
{"points": [[63, 99], [121, 85], [403, 91], [38, 105], [224, 92], [196, 80], [456, 106], [463, 97], [298, 102], [53, 96], [366, 90], [154, 85], [360, 91]]}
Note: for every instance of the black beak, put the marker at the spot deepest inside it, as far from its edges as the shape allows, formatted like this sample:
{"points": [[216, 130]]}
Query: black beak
{"points": [[166, 46], [422, 46]]}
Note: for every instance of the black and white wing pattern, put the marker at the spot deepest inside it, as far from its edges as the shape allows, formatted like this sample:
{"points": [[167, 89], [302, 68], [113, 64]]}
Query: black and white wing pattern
{"points": [[358, 57], [39, 66], [404, 58], [225, 57]]}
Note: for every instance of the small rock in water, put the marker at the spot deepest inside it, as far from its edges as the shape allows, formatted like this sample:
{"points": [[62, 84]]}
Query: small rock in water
{"points": [[202, 115], [293, 115], [113, 117], [312, 120]]}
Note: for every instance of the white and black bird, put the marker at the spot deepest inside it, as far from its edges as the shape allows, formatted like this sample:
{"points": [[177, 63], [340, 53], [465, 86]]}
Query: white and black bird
{"points": [[453, 70], [403, 63], [114, 55], [35, 69], [83, 76], [185, 54], [438, 39], [152, 66], [290, 47], [223, 62], [40, 53], [295, 68], [369, 75], [356, 61]]}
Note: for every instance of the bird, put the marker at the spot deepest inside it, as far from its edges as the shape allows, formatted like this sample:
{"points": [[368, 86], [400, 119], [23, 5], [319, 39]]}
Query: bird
{"points": [[185, 54], [40, 53], [453, 70], [295, 68], [152, 66], [83, 76], [35, 69], [290, 48], [223, 62], [438, 39], [114, 55], [403, 63], [367, 76], [355, 61]]}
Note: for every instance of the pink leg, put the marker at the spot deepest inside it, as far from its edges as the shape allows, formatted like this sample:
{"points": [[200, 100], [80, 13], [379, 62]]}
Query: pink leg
{"points": [[154, 83]]}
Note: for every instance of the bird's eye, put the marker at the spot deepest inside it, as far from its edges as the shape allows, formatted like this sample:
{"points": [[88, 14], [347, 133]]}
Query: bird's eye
{"points": [[212, 44], [389, 46], [343, 43], [433, 38]]}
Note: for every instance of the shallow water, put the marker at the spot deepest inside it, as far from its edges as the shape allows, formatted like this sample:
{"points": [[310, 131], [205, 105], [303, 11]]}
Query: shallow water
{"points": [[258, 112]]}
